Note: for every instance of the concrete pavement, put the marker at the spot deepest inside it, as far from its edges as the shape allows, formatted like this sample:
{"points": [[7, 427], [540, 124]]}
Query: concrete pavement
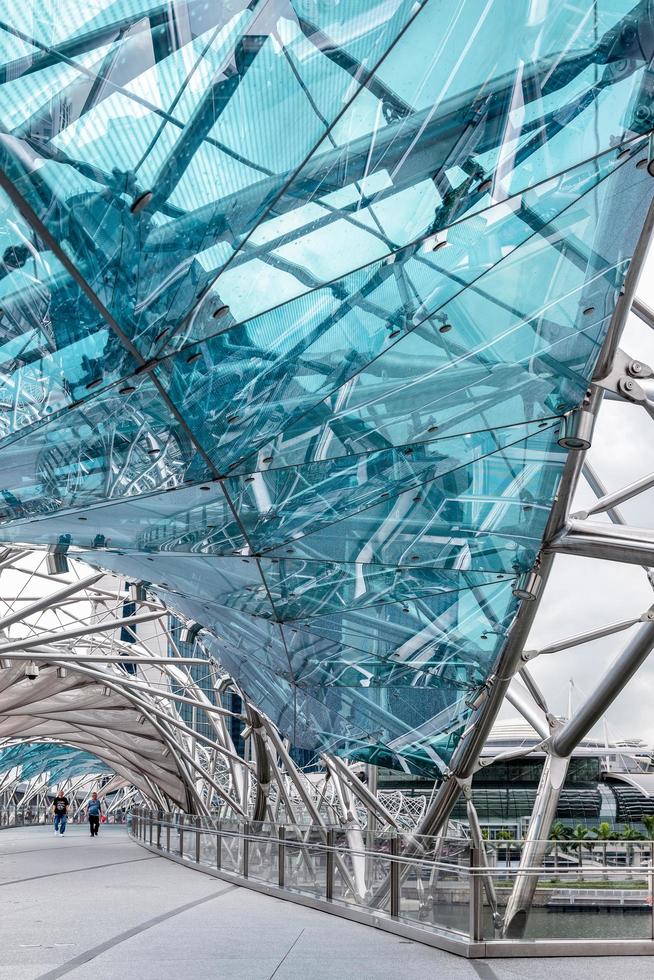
{"points": [[80, 907]]}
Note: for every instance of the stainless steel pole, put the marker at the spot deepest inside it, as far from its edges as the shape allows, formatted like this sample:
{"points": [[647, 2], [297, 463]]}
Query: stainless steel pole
{"points": [[535, 845], [613, 682]]}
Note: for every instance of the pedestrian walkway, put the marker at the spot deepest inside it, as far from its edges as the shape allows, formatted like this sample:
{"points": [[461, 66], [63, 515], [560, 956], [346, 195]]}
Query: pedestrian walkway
{"points": [[105, 908]]}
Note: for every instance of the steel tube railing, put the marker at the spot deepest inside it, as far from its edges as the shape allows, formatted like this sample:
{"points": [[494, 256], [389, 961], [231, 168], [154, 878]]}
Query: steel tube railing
{"points": [[451, 910]]}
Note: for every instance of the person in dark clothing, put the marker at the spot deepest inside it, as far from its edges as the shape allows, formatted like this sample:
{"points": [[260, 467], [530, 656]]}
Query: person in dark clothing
{"points": [[94, 811], [60, 810]]}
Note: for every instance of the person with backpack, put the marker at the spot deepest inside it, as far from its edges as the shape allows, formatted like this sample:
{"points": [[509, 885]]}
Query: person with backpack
{"points": [[94, 812], [60, 810]]}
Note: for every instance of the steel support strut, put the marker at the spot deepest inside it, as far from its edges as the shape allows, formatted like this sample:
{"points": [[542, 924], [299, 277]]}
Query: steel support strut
{"points": [[562, 744]]}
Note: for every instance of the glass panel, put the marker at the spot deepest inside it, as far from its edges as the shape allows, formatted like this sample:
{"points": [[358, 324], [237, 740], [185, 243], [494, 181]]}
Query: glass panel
{"points": [[435, 886], [142, 108], [293, 297], [264, 853]]}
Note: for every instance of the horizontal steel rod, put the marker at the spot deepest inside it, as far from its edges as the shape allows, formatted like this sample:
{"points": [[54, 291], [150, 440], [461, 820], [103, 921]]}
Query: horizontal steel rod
{"points": [[96, 658], [634, 546], [580, 639], [45, 602], [643, 312], [63, 635], [611, 500]]}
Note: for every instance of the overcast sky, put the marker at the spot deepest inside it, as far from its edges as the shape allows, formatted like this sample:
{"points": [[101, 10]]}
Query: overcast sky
{"points": [[583, 593]]}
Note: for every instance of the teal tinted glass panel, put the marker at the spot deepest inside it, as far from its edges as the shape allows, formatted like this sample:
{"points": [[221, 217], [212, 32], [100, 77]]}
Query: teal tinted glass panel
{"points": [[139, 109], [293, 297], [61, 762]]}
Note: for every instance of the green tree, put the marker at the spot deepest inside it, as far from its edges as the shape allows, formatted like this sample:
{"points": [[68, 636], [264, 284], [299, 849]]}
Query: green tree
{"points": [[580, 835], [603, 833], [629, 834], [559, 832], [647, 819]]}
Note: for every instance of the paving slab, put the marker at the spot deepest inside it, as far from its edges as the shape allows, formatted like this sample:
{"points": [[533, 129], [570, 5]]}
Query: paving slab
{"points": [[105, 908]]}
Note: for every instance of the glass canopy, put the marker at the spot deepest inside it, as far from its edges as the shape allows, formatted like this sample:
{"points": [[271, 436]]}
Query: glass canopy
{"points": [[307, 286]]}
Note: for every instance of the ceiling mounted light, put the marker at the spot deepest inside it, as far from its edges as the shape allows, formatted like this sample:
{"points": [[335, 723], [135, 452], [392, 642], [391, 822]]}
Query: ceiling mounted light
{"points": [[31, 670], [62, 672], [576, 431], [5, 664]]}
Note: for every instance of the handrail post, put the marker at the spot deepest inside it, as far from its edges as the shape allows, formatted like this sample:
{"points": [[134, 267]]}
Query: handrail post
{"points": [[159, 819], [168, 833], [219, 844], [197, 840], [329, 867], [395, 877], [246, 849], [281, 855], [181, 835], [475, 897]]}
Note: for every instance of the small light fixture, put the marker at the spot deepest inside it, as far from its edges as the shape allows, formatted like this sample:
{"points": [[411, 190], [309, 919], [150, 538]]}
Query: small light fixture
{"points": [[5, 664], [141, 202], [528, 585], [220, 312], [31, 670], [106, 692], [576, 431], [62, 672]]}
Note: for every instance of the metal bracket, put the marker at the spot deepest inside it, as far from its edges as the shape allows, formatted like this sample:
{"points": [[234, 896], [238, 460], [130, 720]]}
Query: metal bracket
{"points": [[624, 380]]}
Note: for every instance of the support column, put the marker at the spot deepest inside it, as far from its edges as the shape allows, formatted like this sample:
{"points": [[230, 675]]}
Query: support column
{"points": [[535, 845], [562, 744]]}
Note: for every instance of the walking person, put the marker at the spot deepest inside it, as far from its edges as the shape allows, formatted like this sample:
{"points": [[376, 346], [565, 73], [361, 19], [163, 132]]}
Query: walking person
{"points": [[94, 811], [60, 810]]}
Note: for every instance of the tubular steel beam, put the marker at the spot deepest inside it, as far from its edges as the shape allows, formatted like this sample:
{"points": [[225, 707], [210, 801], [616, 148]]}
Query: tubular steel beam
{"points": [[68, 659], [535, 845], [633, 546], [611, 500], [47, 601], [539, 725], [79, 631], [580, 639], [615, 679], [643, 312]]}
